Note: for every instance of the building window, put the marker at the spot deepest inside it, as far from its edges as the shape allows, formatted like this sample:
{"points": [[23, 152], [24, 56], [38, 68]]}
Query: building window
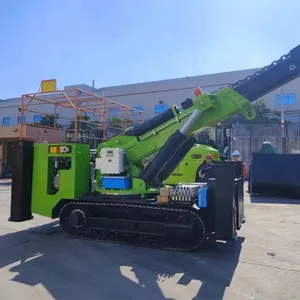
{"points": [[37, 118], [19, 119], [287, 99], [278, 99], [114, 111], [6, 121], [88, 114], [159, 108], [136, 113]]}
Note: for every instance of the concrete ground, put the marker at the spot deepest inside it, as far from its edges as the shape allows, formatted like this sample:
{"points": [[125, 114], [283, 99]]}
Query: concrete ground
{"points": [[38, 262]]}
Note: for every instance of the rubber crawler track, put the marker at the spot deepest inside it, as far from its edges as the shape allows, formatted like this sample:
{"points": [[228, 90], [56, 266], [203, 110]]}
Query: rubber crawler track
{"points": [[129, 238]]}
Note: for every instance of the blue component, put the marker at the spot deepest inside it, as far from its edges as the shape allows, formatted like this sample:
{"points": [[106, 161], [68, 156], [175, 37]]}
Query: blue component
{"points": [[159, 108], [116, 183], [202, 197]]}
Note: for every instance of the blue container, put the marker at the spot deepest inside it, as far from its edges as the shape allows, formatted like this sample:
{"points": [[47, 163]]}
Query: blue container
{"points": [[202, 197], [116, 183]]}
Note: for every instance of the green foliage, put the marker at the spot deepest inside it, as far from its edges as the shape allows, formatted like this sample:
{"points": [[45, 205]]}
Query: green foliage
{"points": [[117, 126], [264, 115], [48, 120], [83, 123]]}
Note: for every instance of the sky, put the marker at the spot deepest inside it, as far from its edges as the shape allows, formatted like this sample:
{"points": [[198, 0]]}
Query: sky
{"points": [[117, 42]]}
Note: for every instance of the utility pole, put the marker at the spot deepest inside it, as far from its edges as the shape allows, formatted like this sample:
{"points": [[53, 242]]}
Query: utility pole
{"points": [[282, 127]]}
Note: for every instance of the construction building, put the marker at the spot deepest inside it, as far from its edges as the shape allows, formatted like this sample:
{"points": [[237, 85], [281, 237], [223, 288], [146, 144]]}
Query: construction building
{"points": [[136, 102], [155, 97]]}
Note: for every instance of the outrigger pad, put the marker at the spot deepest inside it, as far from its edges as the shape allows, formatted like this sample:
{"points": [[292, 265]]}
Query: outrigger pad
{"points": [[225, 201], [20, 209]]}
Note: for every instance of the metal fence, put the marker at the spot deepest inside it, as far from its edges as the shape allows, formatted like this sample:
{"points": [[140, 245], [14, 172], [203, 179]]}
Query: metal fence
{"points": [[247, 145], [266, 130], [248, 138]]}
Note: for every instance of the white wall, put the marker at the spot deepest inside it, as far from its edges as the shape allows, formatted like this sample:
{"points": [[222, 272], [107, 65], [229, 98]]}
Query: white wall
{"points": [[147, 95]]}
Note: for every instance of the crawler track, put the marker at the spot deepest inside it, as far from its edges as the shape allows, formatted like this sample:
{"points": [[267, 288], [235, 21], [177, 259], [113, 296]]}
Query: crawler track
{"points": [[142, 225]]}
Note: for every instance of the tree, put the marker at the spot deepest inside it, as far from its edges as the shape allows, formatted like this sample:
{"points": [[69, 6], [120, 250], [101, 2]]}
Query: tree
{"points": [[264, 115], [117, 125], [83, 123], [48, 120], [88, 131]]}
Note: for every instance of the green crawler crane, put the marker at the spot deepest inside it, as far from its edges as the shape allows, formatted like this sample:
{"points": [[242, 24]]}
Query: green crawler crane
{"points": [[130, 202]]}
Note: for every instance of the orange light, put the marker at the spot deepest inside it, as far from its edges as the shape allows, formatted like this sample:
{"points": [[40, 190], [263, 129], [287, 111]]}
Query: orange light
{"points": [[54, 150], [197, 92], [216, 155]]}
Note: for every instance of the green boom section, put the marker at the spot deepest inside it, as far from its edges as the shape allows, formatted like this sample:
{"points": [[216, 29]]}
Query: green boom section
{"points": [[215, 108], [73, 181]]}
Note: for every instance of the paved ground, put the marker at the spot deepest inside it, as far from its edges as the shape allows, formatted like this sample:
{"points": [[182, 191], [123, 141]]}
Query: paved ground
{"points": [[38, 262]]}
